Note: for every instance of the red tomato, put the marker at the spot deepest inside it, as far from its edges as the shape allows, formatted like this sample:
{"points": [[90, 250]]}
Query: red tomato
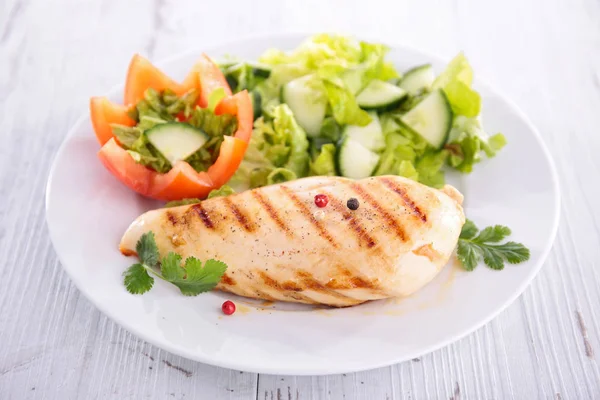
{"points": [[103, 112], [205, 76], [182, 181], [143, 75]]}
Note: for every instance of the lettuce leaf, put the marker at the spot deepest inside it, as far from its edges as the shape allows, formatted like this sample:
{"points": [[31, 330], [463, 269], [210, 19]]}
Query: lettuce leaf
{"points": [[280, 175], [401, 150], [407, 169], [407, 154], [223, 191], [278, 152], [183, 202], [456, 82], [342, 67], [343, 104], [429, 168], [330, 130], [143, 152], [466, 141], [163, 107], [324, 162], [321, 50], [458, 69], [294, 137]]}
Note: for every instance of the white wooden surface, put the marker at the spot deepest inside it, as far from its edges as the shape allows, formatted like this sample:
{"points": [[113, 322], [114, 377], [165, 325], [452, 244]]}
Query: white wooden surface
{"points": [[54, 54]]}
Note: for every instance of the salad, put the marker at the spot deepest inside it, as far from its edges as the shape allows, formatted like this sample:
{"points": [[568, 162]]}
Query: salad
{"points": [[333, 106], [173, 140]]}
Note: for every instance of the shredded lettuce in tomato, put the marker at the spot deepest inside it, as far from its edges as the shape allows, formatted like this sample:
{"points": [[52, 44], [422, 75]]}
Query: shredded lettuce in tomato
{"points": [[163, 107]]}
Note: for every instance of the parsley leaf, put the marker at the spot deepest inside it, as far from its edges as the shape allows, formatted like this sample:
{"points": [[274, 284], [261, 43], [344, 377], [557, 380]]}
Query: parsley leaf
{"points": [[147, 249], [192, 278], [466, 255], [493, 234], [137, 280], [469, 230], [474, 245], [200, 279], [170, 267]]}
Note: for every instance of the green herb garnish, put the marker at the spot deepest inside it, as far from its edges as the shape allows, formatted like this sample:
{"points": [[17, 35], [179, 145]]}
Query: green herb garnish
{"points": [[473, 245], [192, 278]]}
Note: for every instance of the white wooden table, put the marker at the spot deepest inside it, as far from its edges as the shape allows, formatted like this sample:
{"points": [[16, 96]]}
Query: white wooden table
{"points": [[54, 54]]}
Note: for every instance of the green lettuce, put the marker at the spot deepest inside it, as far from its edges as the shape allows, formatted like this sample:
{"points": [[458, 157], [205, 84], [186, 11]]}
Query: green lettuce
{"points": [[280, 175], [324, 162], [223, 191], [429, 168], [321, 50], [164, 107], [183, 202], [456, 82], [343, 104], [407, 169], [277, 152], [143, 152], [330, 130], [295, 137], [407, 154], [466, 142], [242, 76], [342, 67]]}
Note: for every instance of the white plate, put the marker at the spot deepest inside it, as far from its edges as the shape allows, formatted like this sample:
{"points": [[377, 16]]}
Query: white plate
{"points": [[88, 210]]}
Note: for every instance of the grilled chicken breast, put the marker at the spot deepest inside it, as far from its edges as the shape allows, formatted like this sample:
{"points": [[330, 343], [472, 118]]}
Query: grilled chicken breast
{"points": [[279, 245]]}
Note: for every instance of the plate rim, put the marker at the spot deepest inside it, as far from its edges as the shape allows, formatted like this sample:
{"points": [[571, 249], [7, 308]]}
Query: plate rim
{"points": [[315, 370]]}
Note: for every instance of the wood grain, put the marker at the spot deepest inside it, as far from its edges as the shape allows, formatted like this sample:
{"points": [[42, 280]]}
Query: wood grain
{"points": [[55, 54]]}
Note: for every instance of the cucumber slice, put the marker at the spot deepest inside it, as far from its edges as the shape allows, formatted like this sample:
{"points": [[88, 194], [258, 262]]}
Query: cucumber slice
{"points": [[431, 118], [307, 104], [354, 160], [176, 140], [380, 96], [418, 79], [370, 136]]}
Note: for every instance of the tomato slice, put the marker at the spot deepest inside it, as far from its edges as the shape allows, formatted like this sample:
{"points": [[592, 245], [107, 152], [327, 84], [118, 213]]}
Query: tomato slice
{"points": [[182, 181], [104, 112], [240, 105], [143, 75], [230, 157]]}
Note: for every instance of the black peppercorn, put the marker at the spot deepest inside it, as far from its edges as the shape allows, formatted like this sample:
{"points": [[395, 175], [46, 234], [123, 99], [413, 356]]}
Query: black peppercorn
{"points": [[352, 204]]}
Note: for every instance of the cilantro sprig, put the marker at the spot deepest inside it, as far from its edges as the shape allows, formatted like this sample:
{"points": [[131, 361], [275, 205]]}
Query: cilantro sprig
{"points": [[192, 278], [474, 245]]}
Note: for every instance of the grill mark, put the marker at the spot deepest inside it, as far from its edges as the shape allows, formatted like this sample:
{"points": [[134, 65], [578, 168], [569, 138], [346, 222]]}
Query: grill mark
{"points": [[203, 215], [389, 218], [228, 280], [270, 210], [305, 211], [287, 289], [239, 215], [311, 283], [172, 218], [346, 279], [406, 198], [361, 232]]}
